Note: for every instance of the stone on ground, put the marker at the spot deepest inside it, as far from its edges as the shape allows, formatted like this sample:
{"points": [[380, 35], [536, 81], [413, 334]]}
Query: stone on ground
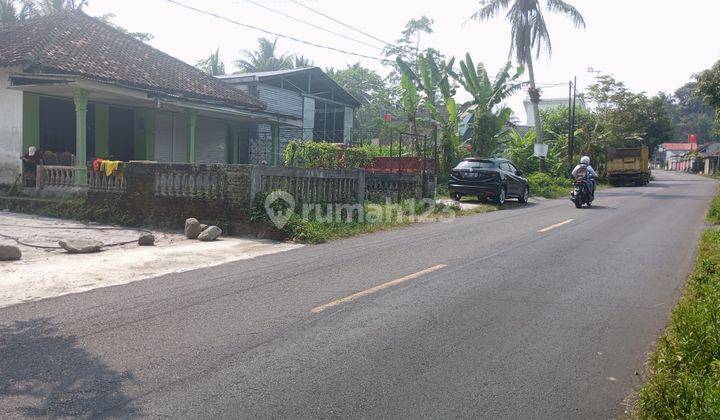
{"points": [[10, 253], [210, 234], [79, 246], [146, 239], [192, 228], [203, 226]]}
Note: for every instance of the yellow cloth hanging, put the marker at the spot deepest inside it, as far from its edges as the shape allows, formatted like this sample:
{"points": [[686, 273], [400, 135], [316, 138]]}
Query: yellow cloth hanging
{"points": [[110, 166]]}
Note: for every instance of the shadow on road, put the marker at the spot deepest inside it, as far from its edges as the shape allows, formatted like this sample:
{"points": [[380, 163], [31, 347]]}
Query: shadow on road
{"points": [[594, 207], [46, 374], [509, 205]]}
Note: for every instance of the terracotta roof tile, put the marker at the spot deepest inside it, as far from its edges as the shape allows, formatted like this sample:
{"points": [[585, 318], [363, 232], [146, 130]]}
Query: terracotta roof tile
{"points": [[77, 44]]}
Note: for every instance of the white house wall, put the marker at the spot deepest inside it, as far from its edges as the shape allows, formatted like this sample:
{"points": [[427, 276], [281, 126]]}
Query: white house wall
{"points": [[11, 121]]}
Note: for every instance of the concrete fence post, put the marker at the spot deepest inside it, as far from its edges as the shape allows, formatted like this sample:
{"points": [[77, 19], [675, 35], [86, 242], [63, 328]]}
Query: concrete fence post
{"points": [[360, 186], [39, 172], [255, 182]]}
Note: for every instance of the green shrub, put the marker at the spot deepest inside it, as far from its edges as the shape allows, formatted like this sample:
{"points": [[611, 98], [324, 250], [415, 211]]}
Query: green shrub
{"points": [[317, 228], [713, 215], [544, 185], [306, 154], [359, 157], [301, 154]]}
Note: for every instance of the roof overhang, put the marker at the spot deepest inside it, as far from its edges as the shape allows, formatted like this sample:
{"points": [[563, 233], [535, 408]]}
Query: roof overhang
{"points": [[66, 85]]}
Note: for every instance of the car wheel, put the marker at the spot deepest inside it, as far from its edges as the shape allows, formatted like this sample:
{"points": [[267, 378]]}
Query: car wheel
{"points": [[525, 195], [502, 195]]}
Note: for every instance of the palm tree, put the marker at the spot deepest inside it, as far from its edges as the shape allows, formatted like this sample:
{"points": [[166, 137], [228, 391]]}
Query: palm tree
{"points": [[45, 7], [302, 61], [12, 11], [264, 59], [212, 65], [529, 32], [18, 10], [490, 117]]}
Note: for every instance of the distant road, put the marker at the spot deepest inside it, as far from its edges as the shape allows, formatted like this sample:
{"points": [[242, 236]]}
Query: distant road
{"points": [[543, 311]]}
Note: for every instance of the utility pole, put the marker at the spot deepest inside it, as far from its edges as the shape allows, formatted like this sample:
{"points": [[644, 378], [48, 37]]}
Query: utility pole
{"points": [[572, 97]]}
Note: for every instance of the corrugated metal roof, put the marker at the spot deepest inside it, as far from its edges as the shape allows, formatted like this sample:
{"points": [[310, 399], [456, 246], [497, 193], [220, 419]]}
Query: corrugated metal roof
{"points": [[316, 72]]}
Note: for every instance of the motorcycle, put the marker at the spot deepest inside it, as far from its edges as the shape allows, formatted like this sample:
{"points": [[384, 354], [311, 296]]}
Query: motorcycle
{"points": [[582, 191]]}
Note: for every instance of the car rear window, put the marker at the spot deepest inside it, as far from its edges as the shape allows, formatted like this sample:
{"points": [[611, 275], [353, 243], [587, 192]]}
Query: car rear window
{"points": [[476, 164]]}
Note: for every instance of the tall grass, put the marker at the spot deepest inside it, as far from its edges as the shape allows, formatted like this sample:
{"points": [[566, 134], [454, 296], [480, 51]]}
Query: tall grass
{"points": [[713, 215], [685, 367]]}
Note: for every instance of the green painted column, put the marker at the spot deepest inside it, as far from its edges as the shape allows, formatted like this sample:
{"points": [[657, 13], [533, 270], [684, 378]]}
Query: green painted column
{"points": [[81, 104], [102, 130], [31, 121], [192, 125], [275, 136]]}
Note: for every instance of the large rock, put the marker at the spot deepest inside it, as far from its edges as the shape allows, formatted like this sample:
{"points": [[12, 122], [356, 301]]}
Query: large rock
{"points": [[203, 226], [9, 253], [210, 234], [146, 239], [79, 246], [192, 228]]}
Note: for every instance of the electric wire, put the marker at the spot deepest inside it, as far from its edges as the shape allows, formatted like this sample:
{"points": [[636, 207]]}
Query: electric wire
{"points": [[279, 35], [340, 22], [312, 24], [314, 44]]}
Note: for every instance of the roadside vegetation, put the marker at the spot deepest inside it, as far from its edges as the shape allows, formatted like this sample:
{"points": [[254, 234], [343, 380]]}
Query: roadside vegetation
{"points": [[319, 226], [685, 367], [713, 215], [108, 211]]}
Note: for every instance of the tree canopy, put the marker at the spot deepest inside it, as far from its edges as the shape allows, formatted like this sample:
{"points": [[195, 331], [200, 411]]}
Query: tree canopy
{"points": [[368, 87], [212, 65], [265, 58]]}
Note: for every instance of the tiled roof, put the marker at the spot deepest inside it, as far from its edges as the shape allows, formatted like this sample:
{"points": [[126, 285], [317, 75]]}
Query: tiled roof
{"points": [[77, 44]]}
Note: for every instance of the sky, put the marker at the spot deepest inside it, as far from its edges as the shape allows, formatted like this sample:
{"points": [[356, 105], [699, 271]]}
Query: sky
{"points": [[650, 45]]}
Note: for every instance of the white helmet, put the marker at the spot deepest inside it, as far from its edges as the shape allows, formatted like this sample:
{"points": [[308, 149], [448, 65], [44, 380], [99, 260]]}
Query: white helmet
{"points": [[585, 160]]}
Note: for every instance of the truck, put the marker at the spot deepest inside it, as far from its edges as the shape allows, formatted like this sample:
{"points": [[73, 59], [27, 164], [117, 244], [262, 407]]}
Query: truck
{"points": [[630, 165]]}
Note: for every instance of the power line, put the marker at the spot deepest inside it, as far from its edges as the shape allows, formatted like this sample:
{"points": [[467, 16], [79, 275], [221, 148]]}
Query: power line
{"points": [[292, 38], [341, 23], [311, 24]]}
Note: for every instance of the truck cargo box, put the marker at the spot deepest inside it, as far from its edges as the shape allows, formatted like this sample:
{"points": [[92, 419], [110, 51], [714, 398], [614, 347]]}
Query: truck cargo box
{"points": [[628, 165]]}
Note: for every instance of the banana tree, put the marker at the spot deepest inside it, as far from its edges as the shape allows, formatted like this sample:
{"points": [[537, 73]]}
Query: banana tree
{"points": [[490, 117], [432, 79]]}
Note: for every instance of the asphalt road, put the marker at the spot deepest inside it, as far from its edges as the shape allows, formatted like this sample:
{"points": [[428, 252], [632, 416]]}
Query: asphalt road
{"points": [[502, 321]]}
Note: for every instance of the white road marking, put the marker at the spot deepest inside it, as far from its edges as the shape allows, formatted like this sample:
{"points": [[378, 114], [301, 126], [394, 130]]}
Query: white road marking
{"points": [[557, 225], [377, 288]]}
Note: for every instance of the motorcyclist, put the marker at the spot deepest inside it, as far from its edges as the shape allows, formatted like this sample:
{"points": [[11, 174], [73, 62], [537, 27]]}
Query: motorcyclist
{"points": [[585, 165]]}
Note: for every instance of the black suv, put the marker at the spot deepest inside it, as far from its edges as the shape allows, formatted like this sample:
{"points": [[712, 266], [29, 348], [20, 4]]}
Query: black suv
{"points": [[492, 179]]}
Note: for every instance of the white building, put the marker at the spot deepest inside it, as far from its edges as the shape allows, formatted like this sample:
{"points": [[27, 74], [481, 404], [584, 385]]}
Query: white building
{"points": [[548, 103]]}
